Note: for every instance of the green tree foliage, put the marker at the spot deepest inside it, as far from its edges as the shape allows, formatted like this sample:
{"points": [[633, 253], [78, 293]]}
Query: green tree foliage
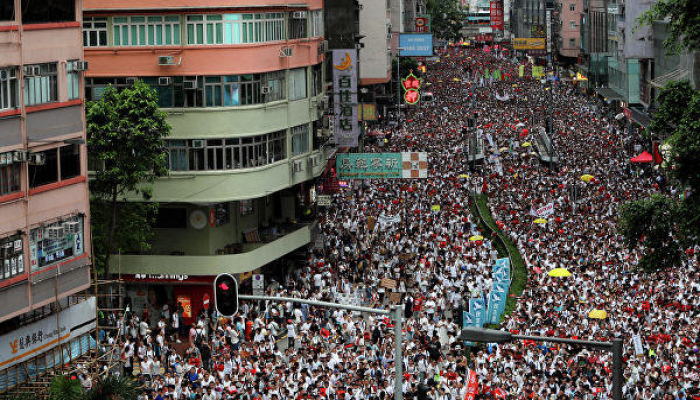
{"points": [[683, 23], [114, 388], [662, 225], [64, 388], [126, 132], [446, 18], [648, 224]]}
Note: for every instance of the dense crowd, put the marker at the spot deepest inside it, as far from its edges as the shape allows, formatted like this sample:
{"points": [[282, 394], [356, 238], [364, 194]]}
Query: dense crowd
{"points": [[379, 229]]}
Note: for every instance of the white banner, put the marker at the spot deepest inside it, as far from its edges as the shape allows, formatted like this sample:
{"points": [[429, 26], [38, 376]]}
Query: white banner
{"points": [[543, 211], [388, 220], [34, 339], [637, 341], [345, 97]]}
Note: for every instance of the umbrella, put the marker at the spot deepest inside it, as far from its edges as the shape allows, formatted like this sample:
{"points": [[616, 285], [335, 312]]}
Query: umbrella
{"points": [[519, 125], [502, 149], [540, 221], [476, 238], [456, 79], [464, 176], [599, 314], [526, 144], [559, 273], [587, 178]]}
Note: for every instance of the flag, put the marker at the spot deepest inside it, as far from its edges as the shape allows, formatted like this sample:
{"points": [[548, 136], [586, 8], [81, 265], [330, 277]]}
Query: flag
{"points": [[521, 71]]}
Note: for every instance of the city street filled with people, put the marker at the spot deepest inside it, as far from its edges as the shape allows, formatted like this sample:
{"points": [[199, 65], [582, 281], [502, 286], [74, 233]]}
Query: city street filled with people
{"points": [[378, 231]]}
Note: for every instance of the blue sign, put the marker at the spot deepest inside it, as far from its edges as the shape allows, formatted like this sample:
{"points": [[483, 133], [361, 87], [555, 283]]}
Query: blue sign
{"points": [[477, 308], [493, 316], [468, 321], [502, 289], [416, 45]]}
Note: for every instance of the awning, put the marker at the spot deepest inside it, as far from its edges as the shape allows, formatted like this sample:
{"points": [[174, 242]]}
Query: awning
{"points": [[640, 116], [609, 94], [644, 158], [675, 75]]}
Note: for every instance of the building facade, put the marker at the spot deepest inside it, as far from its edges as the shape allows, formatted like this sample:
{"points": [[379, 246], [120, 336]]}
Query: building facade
{"points": [[44, 212], [569, 27], [375, 52], [244, 91]]}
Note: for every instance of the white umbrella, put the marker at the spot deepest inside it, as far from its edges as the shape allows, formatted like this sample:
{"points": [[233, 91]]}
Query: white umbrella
{"points": [[619, 116]]}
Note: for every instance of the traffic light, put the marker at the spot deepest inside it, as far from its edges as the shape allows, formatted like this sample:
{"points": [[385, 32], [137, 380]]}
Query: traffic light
{"points": [[226, 295]]}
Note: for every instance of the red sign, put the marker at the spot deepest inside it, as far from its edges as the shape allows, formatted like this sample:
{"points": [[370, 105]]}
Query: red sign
{"points": [[411, 82], [411, 96], [496, 9], [484, 37], [472, 385], [205, 301], [422, 24], [186, 306]]}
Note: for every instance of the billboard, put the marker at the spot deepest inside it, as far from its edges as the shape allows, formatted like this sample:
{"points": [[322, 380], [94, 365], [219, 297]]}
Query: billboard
{"points": [[529, 43], [496, 13], [381, 165], [416, 45], [346, 127]]}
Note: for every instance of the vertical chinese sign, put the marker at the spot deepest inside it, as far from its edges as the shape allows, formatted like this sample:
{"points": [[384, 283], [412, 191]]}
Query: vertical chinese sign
{"points": [[496, 10], [345, 97]]}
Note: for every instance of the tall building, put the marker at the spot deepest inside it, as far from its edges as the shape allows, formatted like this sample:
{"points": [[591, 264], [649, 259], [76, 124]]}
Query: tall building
{"points": [[569, 27], [44, 219], [243, 87], [593, 62]]}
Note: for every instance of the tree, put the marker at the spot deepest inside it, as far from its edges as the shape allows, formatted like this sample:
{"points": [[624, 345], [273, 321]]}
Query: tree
{"points": [[65, 388], [683, 18], [672, 100], [446, 18], [114, 388], [126, 132]]}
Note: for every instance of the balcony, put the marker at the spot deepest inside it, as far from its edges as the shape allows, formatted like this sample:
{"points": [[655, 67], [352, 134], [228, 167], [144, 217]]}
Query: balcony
{"points": [[252, 256]]}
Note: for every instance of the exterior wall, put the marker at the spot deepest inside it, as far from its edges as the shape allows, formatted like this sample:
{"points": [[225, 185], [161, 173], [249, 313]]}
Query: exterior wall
{"points": [[638, 42], [568, 33], [109, 5], [38, 128], [375, 65]]}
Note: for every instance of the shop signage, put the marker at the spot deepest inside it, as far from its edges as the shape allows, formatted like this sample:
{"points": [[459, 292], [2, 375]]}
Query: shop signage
{"points": [[381, 165], [416, 45], [423, 24], [346, 129], [496, 11], [529, 43]]}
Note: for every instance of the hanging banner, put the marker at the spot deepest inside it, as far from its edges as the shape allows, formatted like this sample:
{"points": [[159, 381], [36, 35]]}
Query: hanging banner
{"points": [[638, 349], [472, 385], [467, 322], [345, 97], [496, 13], [545, 211], [477, 308]]}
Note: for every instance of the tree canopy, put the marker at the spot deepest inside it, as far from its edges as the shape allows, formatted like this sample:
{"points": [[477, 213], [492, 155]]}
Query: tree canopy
{"points": [[126, 132], [446, 18], [683, 18]]}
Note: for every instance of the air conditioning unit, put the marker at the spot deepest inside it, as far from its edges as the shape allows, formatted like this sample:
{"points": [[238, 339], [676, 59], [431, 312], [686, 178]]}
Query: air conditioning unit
{"points": [[323, 47], [130, 80], [54, 232], [37, 159], [286, 52], [265, 89], [298, 166], [32, 70], [198, 143], [71, 227], [79, 65], [299, 15], [20, 156], [165, 81], [166, 60], [314, 161], [324, 103], [189, 84]]}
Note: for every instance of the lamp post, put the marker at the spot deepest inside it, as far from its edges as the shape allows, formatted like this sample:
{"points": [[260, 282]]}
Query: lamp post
{"points": [[497, 336], [398, 84]]}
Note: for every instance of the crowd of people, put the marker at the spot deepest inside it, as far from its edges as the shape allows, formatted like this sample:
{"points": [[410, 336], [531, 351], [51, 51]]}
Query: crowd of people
{"points": [[389, 231]]}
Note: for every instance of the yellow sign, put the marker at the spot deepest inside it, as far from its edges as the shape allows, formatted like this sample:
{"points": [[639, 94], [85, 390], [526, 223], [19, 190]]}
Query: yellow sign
{"points": [[529, 43], [345, 63], [367, 112]]}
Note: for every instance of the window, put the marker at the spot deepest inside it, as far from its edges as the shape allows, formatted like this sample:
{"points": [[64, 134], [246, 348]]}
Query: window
{"points": [[9, 174], [250, 89], [94, 32], [72, 80], [212, 29], [318, 80], [147, 31], [274, 27], [56, 241], [40, 84], [572, 7], [65, 159], [275, 83], [43, 11], [11, 257], [297, 27], [8, 88], [7, 10], [297, 84], [226, 154], [572, 24], [221, 91], [317, 23], [205, 29], [171, 218], [572, 42], [300, 139], [253, 28]]}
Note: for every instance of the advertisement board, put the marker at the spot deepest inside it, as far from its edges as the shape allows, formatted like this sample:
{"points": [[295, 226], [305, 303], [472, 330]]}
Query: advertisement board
{"points": [[416, 45], [346, 127], [423, 23], [529, 43], [496, 12], [381, 165]]}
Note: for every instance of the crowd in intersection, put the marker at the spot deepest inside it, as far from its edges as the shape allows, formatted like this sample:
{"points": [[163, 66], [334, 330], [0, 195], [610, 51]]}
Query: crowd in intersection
{"points": [[331, 354]]}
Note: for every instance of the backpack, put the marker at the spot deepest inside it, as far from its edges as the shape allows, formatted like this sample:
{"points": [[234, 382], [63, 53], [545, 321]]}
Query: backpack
{"points": [[198, 338]]}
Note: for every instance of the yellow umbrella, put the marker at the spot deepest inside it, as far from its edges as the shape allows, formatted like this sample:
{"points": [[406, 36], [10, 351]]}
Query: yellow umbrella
{"points": [[475, 238], [526, 144], [599, 314], [559, 273], [540, 221], [464, 176], [587, 178], [456, 79], [502, 149]]}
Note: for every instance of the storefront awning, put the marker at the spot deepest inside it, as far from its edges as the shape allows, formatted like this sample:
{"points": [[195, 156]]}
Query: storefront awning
{"points": [[609, 94], [644, 158]]}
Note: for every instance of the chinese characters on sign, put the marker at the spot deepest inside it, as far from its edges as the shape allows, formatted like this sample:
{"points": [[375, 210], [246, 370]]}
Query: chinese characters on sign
{"points": [[345, 97], [423, 24], [381, 165], [416, 45], [411, 85], [496, 9]]}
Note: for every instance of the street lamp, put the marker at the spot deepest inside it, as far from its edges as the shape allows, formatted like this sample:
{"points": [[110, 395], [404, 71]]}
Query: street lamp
{"points": [[497, 336], [398, 83]]}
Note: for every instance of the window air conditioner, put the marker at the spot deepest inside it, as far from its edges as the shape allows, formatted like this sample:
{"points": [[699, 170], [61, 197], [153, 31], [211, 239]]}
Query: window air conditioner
{"points": [[20, 156], [286, 52], [299, 15], [189, 84], [166, 60], [323, 47], [71, 227], [79, 65], [265, 89], [198, 143], [54, 232], [37, 159], [298, 166], [32, 70], [165, 81]]}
